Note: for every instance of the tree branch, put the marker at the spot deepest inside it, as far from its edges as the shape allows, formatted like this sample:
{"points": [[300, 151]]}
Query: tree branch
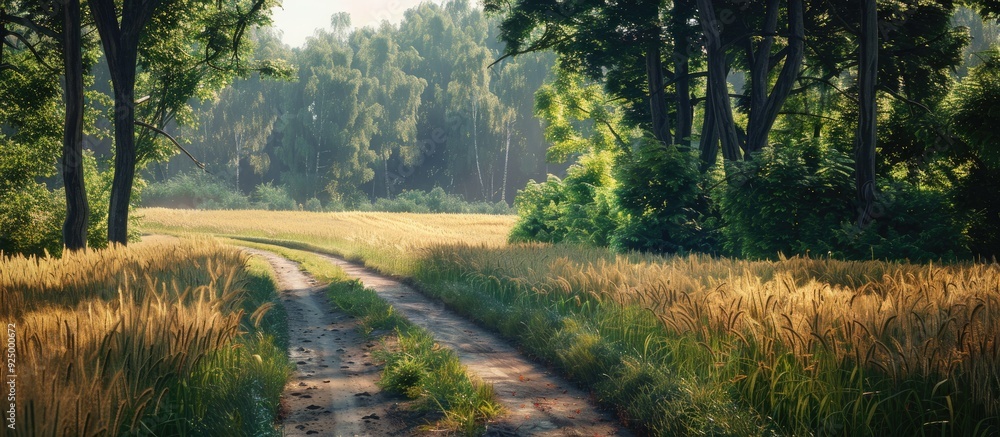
{"points": [[31, 48], [161, 132], [30, 24]]}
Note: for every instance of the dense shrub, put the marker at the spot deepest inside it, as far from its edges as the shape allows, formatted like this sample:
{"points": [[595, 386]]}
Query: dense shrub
{"points": [[579, 208], [979, 195], [204, 191], [31, 216], [787, 199], [436, 201], [663, 206], [538, 211], [314, 205], [274, 198], [197, 191], [910, 223], [30, 222]]}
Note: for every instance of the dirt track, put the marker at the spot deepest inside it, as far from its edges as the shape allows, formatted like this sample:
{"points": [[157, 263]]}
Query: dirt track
{"points": [[333, 391]]}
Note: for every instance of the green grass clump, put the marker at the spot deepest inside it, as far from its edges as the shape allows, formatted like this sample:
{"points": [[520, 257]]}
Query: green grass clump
{"points": [[417, 366]]}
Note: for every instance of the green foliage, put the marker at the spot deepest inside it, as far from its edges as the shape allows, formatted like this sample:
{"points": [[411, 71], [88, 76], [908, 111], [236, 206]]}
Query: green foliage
{"points": [[978, 197], [314, 205], [31, 218], [916, 224], [787, 200], [578, 117], [30, 222], [663, 208], [202, 191], [538, 210], [274, 198], [578, 208], [194, 190], [437, 201]]}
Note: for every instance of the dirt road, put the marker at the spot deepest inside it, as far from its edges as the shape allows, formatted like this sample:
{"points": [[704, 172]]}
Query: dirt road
{"points": [[333, 391]]}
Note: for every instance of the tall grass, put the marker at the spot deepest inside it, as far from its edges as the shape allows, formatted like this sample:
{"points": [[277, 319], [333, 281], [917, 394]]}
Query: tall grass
{"points": [[696, 344], [165, 338], [817, 346]]}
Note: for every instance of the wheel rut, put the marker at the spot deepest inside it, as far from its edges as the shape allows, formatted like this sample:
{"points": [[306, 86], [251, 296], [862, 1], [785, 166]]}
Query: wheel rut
{"points": [[538, 402]]}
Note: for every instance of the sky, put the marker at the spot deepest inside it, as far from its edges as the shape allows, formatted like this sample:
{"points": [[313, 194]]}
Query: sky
{"points": [[298, 19]]}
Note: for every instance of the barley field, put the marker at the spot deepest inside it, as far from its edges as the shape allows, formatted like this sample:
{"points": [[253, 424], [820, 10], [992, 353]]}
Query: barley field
{"points": [[696, 344], [164, 337], [387, 241]]}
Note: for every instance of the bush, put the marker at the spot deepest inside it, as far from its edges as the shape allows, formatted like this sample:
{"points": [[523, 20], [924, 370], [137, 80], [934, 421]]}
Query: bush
{"points": [[910, 223], [787, 200], [31, 217], [663, 208], [978, 194], [436, 201], [314, 205], [274, 198], [194, 191], [578, 209], [30, 220]]}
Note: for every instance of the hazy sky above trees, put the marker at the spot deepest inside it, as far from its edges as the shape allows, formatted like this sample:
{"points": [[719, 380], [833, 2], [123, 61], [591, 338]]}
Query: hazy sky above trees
{"points": [[298, 19]]}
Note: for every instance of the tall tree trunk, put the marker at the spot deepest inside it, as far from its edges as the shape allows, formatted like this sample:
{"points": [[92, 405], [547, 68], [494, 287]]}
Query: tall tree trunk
{"points": [[475, 146], [77, 210], [121, 48], [864, 149], [718, 87], [237, 137], [682, 79], [709, 136], [763, 116], [657, 95], [506, 160], [385, 172]]}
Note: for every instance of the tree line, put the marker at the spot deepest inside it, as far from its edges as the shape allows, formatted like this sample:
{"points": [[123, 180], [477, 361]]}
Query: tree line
{"points": [[375, 111], [844, 128], [740, 127]]}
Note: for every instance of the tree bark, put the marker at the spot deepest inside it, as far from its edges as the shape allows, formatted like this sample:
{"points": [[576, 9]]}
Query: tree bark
{"points": [[657, 95], [475, 146], [709, 136], [864, 149], [77, 210], [762, 118], [121, 47], [506, 160], [718, 88], [682, 79]]}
